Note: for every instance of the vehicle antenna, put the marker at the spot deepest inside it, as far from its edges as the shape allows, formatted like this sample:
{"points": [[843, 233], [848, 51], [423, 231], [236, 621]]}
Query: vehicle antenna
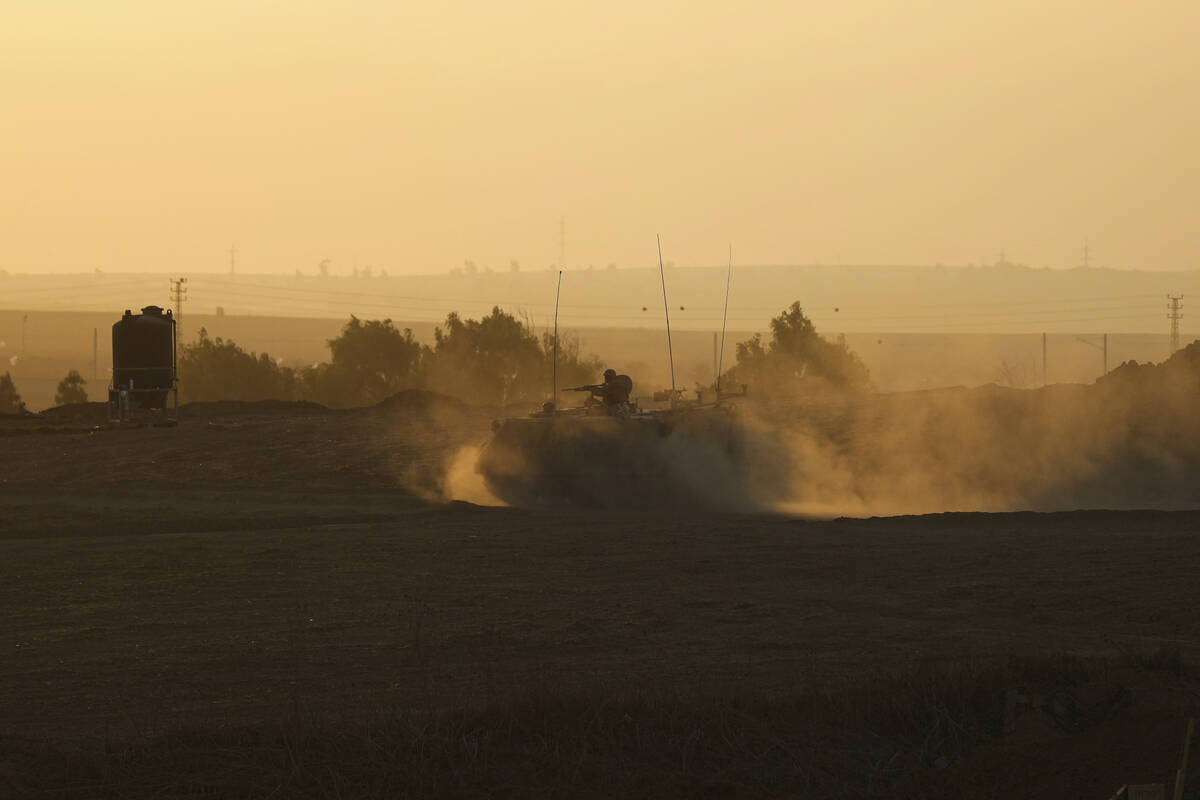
{"points": [[554, 371], [724, 319], [666, 311]]}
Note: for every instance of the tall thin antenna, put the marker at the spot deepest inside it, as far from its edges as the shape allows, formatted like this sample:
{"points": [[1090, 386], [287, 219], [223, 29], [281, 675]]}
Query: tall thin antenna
{"points": [[554, 371], [724, 319], [562, 243], [667, 312]]}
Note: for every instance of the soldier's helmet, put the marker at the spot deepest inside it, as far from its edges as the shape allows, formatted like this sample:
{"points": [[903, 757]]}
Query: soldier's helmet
{"points": [[609, 374]]}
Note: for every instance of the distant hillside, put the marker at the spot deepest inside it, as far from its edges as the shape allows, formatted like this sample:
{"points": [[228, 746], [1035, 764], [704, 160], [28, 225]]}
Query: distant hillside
{"points": [[1000, 298]]}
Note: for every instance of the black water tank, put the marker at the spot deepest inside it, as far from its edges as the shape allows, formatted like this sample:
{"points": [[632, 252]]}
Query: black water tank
{"points": [[143, 347]]}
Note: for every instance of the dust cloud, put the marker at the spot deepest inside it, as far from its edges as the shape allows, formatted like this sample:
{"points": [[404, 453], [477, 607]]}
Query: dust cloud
{"points": [[463, 482], [1129, 441], [432, 442], [452, 477], [987, 449]]}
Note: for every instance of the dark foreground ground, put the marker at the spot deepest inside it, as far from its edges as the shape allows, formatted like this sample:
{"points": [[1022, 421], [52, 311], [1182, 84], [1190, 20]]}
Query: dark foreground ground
{"points": [[262, 604]]}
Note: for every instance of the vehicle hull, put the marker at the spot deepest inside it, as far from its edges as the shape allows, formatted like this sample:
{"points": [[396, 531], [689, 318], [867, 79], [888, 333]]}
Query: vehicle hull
{"points": [[657, 459]]}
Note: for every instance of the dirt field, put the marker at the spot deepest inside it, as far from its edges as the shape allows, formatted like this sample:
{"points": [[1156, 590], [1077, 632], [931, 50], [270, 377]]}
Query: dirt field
{"points": [[272, 599]]}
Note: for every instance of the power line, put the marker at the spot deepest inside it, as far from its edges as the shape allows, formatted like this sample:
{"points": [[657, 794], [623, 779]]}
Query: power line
{"points": [[776, 309], [268, 309], [298, 307], [74, 289], [1004, 316], [1103, 347], [327, 299], [302, 301]]}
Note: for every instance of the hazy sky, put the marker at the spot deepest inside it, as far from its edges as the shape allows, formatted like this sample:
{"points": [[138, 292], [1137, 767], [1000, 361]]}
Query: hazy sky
{"points": [[151, 135]]}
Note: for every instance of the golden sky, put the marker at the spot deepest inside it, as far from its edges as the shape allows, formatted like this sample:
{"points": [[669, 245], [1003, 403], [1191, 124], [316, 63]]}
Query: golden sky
{"points": [[152, 135]]}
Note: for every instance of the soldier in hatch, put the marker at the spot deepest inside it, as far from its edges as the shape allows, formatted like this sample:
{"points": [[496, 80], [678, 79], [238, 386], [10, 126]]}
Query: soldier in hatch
{"points": [[614, 392]]}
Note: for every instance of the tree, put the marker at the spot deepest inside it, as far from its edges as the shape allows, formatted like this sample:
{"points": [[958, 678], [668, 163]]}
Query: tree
{"points": [[499, 360], [10, 399], [71, 389], [796, 358], [216, 369], [372, 360], [494, 360]]}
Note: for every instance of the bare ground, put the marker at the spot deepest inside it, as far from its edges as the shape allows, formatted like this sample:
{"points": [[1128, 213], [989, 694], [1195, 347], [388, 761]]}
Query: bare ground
{"points": [[263, 601]]}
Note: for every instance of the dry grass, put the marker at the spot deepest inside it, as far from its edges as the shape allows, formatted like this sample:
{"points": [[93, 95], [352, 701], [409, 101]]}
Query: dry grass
{"points": [[872, 737]]}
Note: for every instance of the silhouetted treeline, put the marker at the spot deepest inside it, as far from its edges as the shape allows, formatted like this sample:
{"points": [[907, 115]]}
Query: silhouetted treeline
{"points": [[495, 360]]}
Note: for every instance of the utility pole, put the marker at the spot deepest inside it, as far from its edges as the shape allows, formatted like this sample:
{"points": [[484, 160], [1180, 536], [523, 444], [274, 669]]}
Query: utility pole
{"points": [[1087, 260], [232, 260], [95, 354], [178, 295], [1174, 313], [1043, 359]]}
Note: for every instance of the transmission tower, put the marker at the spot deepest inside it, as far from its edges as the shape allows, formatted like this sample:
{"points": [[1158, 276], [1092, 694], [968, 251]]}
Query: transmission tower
{"points": [[1174, 313], [178, 295]]}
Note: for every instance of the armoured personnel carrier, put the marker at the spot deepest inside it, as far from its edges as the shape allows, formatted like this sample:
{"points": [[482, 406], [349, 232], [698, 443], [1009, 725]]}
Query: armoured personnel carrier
{"points": [[609, 452], [602, 456]]}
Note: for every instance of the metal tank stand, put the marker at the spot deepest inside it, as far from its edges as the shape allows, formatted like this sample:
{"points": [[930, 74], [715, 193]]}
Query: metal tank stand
{"points": [[123, 407]]}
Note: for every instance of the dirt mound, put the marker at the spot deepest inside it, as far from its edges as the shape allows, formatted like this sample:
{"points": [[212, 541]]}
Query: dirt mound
{"points": [[420, 400], [258, 408], [1181, 368], [83, 413]]}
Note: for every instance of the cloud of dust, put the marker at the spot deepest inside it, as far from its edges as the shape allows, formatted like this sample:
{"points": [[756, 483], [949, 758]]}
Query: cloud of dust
{"points": [[432, 446], [453, 477], [1130, 441], [463, 482], [710, 469]]}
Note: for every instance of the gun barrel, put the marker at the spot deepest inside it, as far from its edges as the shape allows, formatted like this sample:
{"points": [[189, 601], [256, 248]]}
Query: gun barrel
{"points": [[589, 388]]}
